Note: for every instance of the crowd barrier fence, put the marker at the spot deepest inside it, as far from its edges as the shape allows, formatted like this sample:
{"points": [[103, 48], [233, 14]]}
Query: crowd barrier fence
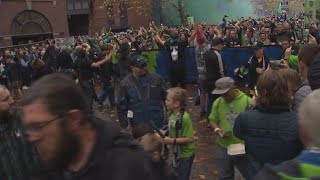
{"points": [[232, 58]]}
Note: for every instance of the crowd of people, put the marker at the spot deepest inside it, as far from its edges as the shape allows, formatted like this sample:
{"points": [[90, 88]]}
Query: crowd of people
{"points": [[265, 117]]}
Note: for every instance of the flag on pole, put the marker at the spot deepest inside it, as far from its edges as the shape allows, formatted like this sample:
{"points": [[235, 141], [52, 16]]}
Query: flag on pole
{"points": [[280, 8]]}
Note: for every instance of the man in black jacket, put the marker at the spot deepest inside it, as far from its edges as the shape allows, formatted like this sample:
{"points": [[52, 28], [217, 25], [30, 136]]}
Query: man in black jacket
{"points": [[71, 142], [13, 76], [50, 59], [257, 64], [214, 70]]}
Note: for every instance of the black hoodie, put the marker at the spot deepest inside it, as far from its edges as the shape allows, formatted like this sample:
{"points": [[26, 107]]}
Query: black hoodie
{"points": [[115, 156]]}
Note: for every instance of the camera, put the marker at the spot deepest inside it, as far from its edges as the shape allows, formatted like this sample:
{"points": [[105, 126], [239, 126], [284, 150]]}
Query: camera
{"points": [[277, 64]]}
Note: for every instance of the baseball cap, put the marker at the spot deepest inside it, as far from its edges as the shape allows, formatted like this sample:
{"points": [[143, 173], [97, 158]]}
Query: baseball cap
{"points": [[138, 60], [216, 41], [223, 85], [257, 45]]}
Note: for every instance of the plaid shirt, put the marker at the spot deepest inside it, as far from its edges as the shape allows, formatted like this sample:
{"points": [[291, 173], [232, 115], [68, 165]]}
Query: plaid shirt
{"points": [[17, 156]]}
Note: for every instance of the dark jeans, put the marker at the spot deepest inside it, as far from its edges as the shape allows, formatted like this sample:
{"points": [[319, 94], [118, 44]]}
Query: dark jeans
{"points": [[89, 92], [26, 78], [177, 76], [184, 170], [107, 91], [227, 163]]}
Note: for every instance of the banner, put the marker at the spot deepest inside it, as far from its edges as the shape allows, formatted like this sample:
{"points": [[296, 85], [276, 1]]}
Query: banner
{"points": [[69, 41]]}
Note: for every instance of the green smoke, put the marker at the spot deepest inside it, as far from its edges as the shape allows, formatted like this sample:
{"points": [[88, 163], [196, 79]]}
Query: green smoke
{"points": [[211, 11]]}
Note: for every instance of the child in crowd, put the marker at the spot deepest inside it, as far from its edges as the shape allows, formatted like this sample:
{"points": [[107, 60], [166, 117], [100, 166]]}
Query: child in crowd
{"points": [[140, 130], [180, 132], [152, 144]]}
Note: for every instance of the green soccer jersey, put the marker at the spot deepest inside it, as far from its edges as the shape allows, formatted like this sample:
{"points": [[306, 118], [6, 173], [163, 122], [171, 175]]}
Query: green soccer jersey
{"points": [[186, 150], [224, 115]]}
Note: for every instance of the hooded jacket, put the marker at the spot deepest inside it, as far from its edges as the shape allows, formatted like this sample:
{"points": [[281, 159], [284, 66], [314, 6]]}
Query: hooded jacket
{"points": [[115, 156]]}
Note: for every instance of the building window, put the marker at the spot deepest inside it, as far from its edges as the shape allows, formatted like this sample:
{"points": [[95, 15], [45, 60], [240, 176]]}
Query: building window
{"points": [[28, 22], [77, 4], [70, 4], [85, 4]]}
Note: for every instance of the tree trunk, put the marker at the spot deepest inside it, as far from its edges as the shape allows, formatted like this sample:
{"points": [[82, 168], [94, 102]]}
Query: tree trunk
{"points": [[91, 17], [161, 14], [181, 13]]}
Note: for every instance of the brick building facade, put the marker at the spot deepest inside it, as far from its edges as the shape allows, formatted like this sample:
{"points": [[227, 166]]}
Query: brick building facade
{"points": [[36, 20], [43, 17]]}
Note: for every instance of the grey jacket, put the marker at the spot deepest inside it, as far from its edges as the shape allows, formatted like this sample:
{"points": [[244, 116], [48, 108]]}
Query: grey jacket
{"points": [[300, 94]]}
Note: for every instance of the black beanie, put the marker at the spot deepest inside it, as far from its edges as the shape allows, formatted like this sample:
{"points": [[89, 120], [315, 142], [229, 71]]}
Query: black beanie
{"points": [[314, 74]]}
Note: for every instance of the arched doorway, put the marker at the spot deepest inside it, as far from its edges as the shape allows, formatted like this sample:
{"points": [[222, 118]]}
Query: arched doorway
{"points": [[29, 26]]}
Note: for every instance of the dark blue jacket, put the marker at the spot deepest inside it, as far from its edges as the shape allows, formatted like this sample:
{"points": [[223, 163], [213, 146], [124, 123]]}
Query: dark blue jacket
{"points": [[144, 96], [271, 135]]}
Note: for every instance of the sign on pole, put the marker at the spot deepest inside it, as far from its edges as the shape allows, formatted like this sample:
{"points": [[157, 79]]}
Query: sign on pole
{"points": [[190, 20]]}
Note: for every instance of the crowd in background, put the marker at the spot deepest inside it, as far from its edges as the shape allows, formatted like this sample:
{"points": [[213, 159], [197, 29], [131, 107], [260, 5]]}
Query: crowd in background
{"points": [[263, 122]]}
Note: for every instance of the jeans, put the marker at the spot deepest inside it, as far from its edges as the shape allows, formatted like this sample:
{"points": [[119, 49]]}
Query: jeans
{"points": [[178, 76], [88, 89], [184, 170], [227, 163], [203, 97], [107, 91]]}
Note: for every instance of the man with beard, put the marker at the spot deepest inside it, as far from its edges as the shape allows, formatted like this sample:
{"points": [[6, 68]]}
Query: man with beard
{"points": [[283, 34], [232, 41], [74, 144], [17, 160]]}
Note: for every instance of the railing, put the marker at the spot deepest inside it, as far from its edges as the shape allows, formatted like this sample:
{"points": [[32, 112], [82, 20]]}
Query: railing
{"points": [[232, 58]]}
